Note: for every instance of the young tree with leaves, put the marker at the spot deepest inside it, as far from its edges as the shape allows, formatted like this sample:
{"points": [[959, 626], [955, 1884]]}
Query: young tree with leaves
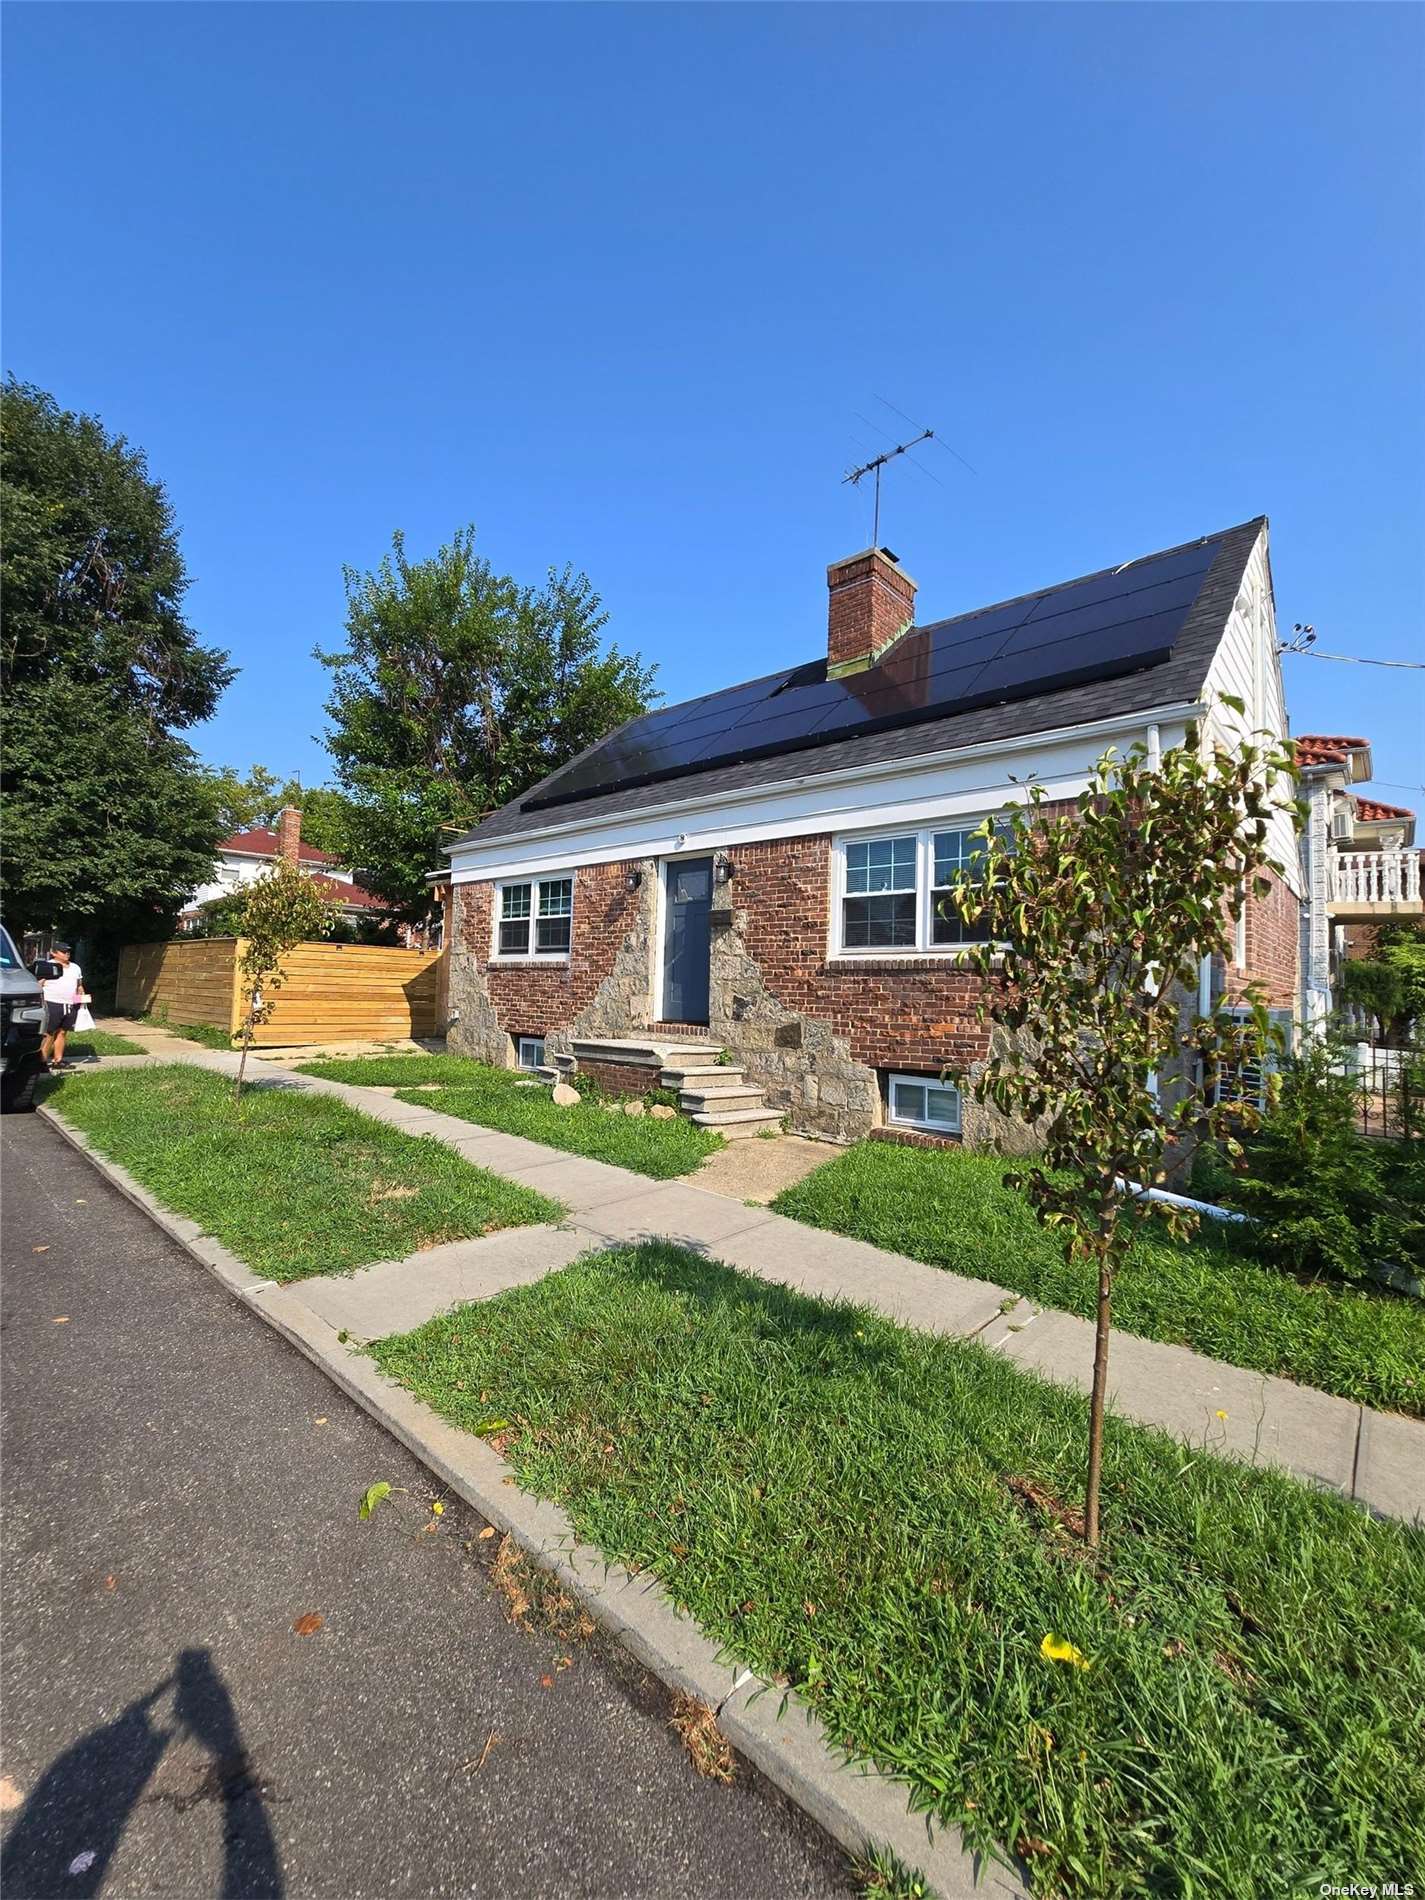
{"points": [[1098, 920], [110, 820], [459, 688], [280, 910]]}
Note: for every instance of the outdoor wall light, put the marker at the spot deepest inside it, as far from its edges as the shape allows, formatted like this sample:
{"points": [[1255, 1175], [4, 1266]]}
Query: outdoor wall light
{"points": [[634, 879], [725, 870]]}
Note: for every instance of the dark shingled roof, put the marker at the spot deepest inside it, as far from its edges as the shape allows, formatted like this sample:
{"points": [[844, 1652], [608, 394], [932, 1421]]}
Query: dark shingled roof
{"points": [[1176, 679]]}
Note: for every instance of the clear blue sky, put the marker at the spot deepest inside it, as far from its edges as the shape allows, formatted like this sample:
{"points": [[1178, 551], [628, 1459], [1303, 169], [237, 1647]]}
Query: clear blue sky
{"points": [[617, 285]]}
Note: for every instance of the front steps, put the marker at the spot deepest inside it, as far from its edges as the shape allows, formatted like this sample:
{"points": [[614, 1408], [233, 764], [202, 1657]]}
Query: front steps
{"points": [[711, 1094], [717, 1095]]}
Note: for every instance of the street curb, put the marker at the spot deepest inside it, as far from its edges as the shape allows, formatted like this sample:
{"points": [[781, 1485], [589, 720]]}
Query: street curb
{"points": [[858, 1806]]}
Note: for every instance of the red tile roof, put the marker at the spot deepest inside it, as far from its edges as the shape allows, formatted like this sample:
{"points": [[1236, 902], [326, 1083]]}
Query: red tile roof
{"points": [[1314, 748], [259, 842], [1370, 811]]}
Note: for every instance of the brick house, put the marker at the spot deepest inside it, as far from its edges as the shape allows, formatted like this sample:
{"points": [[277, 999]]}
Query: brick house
{"points": [[740, 894]]}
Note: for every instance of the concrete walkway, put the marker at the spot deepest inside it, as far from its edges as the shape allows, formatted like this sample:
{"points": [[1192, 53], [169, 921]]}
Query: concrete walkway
{"points": [[1376, 1458]]}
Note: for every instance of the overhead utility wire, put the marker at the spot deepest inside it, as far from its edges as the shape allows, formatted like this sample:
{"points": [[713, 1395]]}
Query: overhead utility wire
{"points": [[1354, 659]]}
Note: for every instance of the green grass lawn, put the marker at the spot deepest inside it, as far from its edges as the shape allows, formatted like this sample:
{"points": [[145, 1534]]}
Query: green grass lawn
{"points": [[952, 1210], [100, 1042], [208, 1034], [293, 1182], [869, 1514], [492, 1097]]}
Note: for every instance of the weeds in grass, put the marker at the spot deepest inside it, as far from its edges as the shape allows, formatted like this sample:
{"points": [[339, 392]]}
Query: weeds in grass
{"points": [[830, 1496], [295, 1183], [207, 1034], [952, 1210], [884, 1876], [492, 1098]]}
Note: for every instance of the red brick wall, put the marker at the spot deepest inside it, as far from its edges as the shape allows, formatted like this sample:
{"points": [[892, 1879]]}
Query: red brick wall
{"points": [[619, 1078], [1273, 947], [534, 998], [916, 1013], [871, 601]]}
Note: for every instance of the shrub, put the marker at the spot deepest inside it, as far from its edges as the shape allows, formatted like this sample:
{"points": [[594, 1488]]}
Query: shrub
{"points": [[1324, 1199]]}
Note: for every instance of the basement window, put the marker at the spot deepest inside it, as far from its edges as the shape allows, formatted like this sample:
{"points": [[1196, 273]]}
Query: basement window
{"points": [[534, 917], [529, 1052], [924, 1102]]}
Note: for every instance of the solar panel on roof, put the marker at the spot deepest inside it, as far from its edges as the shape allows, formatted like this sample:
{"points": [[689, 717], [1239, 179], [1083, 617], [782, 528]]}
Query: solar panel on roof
{"points": [[1098, 628]]}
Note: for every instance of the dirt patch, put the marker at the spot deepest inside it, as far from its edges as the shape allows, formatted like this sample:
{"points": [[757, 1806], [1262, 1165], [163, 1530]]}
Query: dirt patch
{"points": [[758, 1169], [1044, 1505]]}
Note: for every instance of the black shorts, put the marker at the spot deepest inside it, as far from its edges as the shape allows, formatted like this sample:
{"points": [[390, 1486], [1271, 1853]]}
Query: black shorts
{"points": [[60, 1016]]}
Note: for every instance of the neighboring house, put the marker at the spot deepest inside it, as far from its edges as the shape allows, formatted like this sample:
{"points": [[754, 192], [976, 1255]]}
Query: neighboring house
{"points": [[248, 855], [1360, 862], [742, 892]]}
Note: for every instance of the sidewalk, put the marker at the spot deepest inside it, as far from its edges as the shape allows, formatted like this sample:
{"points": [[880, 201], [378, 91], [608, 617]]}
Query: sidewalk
{"points": [[1377, 1459]]}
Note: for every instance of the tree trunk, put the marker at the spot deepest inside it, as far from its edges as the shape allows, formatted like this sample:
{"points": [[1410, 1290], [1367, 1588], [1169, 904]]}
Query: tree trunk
{"points": [[1100, 1386]]}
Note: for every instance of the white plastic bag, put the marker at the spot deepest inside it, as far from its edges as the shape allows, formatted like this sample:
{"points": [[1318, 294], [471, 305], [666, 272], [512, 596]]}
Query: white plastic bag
{"points": [[85, 1019]]}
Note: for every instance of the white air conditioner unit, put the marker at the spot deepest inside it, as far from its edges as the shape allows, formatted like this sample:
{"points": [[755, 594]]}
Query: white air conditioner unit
{"points": [[1343, 824]]}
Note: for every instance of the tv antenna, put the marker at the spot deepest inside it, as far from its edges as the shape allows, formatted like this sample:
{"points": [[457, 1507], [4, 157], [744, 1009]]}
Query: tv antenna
{"points": [[874, 467]]}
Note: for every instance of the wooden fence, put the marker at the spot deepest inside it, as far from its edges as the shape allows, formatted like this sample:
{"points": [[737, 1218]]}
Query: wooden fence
{"points": [[332, 992]]}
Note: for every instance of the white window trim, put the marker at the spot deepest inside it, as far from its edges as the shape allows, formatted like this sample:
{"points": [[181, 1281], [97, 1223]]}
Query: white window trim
{"points": [[534, 880], [1283, 1019], [838, 952], [520, 1043], [922, 1082]]}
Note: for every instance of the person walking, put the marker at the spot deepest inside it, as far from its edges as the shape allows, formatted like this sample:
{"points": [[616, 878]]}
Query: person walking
{"points": [[63, 995]]}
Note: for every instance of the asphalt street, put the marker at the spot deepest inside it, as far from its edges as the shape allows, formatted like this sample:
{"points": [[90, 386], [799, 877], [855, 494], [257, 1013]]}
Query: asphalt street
{"points": [[180, 1502]]}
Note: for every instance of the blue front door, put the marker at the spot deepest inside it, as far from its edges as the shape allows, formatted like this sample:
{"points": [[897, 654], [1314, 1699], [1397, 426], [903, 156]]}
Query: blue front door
{"points": [[686, 939]]}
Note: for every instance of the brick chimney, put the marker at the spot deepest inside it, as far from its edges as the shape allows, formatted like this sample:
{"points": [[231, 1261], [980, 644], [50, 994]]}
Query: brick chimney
{"points": [[289, 832], [872, 604]]}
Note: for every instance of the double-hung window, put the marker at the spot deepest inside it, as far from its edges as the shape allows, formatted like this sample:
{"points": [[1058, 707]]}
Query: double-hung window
{"points": [[895, 891], [879, 908], [952, 852], [535, 918]]}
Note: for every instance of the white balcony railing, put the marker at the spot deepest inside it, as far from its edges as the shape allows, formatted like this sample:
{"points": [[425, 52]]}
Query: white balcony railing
{"points": [[1375, 877]]}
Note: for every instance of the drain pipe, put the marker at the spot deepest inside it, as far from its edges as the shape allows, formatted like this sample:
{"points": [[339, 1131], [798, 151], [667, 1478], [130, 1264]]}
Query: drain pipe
{"points": [[1398, 1279], [1140, 1193]]}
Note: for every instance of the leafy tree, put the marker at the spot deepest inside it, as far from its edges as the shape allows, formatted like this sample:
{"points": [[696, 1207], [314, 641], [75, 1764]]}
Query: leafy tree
{"points": [[260, 798], [221, 916], [1401, 946], [1098, 920], [249, 801], [1378, 988], [110, 820], [458, 689], [280, 910]]}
